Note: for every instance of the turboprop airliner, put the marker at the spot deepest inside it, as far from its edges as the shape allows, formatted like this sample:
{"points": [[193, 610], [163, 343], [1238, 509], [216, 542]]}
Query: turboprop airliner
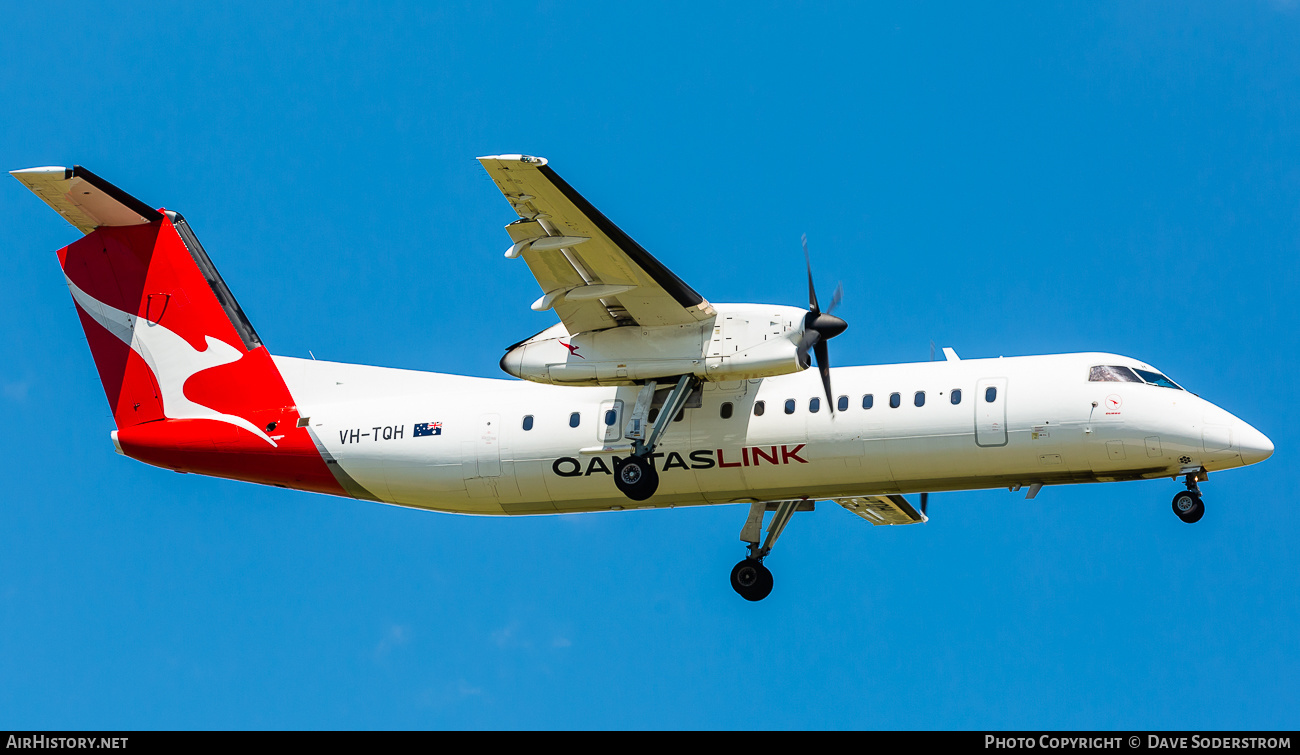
{"points": [[643, 395]]}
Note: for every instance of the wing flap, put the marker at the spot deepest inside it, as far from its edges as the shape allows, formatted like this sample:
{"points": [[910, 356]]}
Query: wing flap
{"points": [[557, 275], [882, 509], [84, 199]]}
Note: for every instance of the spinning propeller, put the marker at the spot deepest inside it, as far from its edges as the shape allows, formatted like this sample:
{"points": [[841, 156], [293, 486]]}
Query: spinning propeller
{"points": [[819, 327]]}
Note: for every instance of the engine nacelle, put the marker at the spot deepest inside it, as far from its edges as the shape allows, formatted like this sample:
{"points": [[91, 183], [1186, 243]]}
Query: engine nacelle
{"points": [[742, 341]]}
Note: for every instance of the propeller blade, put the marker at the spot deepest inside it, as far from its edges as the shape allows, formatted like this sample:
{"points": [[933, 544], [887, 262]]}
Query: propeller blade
{"points": [[925, 501], [812, 292], [836, 297], [824, 365], [819, 327]]}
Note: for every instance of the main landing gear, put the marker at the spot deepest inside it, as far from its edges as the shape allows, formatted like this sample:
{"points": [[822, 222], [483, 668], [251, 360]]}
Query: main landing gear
{"points": [[1187, 504], [636, 476], [750, 578]]}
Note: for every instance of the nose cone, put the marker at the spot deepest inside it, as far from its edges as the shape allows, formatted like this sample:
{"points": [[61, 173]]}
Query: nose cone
{"points": [[1253, 445]]}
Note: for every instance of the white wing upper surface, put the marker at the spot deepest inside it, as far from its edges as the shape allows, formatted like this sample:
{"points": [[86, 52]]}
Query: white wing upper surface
{"points": [[591, 272]]}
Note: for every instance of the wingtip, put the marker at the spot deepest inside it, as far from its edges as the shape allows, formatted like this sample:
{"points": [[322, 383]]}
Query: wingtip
{"points": [[530, 159], [46, 169]]}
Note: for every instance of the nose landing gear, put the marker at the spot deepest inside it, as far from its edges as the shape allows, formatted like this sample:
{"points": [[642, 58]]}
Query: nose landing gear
{"points": [[1187, 504]]}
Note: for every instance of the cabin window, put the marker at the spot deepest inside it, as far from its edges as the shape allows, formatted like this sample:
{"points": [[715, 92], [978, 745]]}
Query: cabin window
{"points": [[814, 405], [528, 422], [725, 411], [990, 394], [681, 415], [1112, 374], [759, 408], [868, 401], [789, 406], [575, 419], [956, 396], [654, 415], [919, 398], [842, 403], [611, 416], [895, 400]]}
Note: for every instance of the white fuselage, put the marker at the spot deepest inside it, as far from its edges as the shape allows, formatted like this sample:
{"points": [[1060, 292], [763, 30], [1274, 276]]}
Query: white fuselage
{"points": [[1045, 422]]}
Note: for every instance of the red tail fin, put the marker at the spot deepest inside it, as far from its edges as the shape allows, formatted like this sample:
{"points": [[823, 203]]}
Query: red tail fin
{"points": [[169, 341], [189, 382]]}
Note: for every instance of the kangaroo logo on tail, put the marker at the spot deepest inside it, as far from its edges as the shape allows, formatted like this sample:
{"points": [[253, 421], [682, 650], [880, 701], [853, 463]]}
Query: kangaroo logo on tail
{"points": [[171, 358]]}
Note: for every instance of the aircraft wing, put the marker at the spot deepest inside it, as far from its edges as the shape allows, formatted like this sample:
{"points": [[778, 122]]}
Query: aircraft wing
{"points": [[84, 199], [882, 509], [591, 272]]}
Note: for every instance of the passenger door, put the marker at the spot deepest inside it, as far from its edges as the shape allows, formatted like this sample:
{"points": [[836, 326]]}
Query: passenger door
{"points": [[609, 423], [481, 457], [991, 412]]}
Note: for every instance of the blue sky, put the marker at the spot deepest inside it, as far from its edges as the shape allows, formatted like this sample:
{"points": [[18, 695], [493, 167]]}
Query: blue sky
{"points": [[1002, 179]]}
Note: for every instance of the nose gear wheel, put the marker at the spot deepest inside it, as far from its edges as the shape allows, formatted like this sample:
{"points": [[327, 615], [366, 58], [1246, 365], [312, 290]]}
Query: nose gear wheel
{"points": [[1187, 504]]}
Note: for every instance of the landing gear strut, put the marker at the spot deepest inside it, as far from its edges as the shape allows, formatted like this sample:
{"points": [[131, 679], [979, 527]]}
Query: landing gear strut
{"points": [[1187, 504], [636, 476], [750, 578]]}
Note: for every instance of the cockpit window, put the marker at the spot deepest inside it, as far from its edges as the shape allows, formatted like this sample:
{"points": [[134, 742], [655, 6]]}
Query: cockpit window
{"points": [[1112, 374], [1155, 378]]}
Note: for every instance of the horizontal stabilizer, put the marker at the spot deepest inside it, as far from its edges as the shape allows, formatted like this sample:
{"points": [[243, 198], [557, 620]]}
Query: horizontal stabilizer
{"points": [[84, 199]]}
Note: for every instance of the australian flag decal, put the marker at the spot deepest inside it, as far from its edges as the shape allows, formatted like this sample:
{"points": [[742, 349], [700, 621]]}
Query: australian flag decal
{"points": [[427, 428]]}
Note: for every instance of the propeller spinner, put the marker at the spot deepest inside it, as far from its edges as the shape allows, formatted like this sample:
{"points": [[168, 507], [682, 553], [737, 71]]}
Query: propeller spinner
{"points": [[819, 327]]}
